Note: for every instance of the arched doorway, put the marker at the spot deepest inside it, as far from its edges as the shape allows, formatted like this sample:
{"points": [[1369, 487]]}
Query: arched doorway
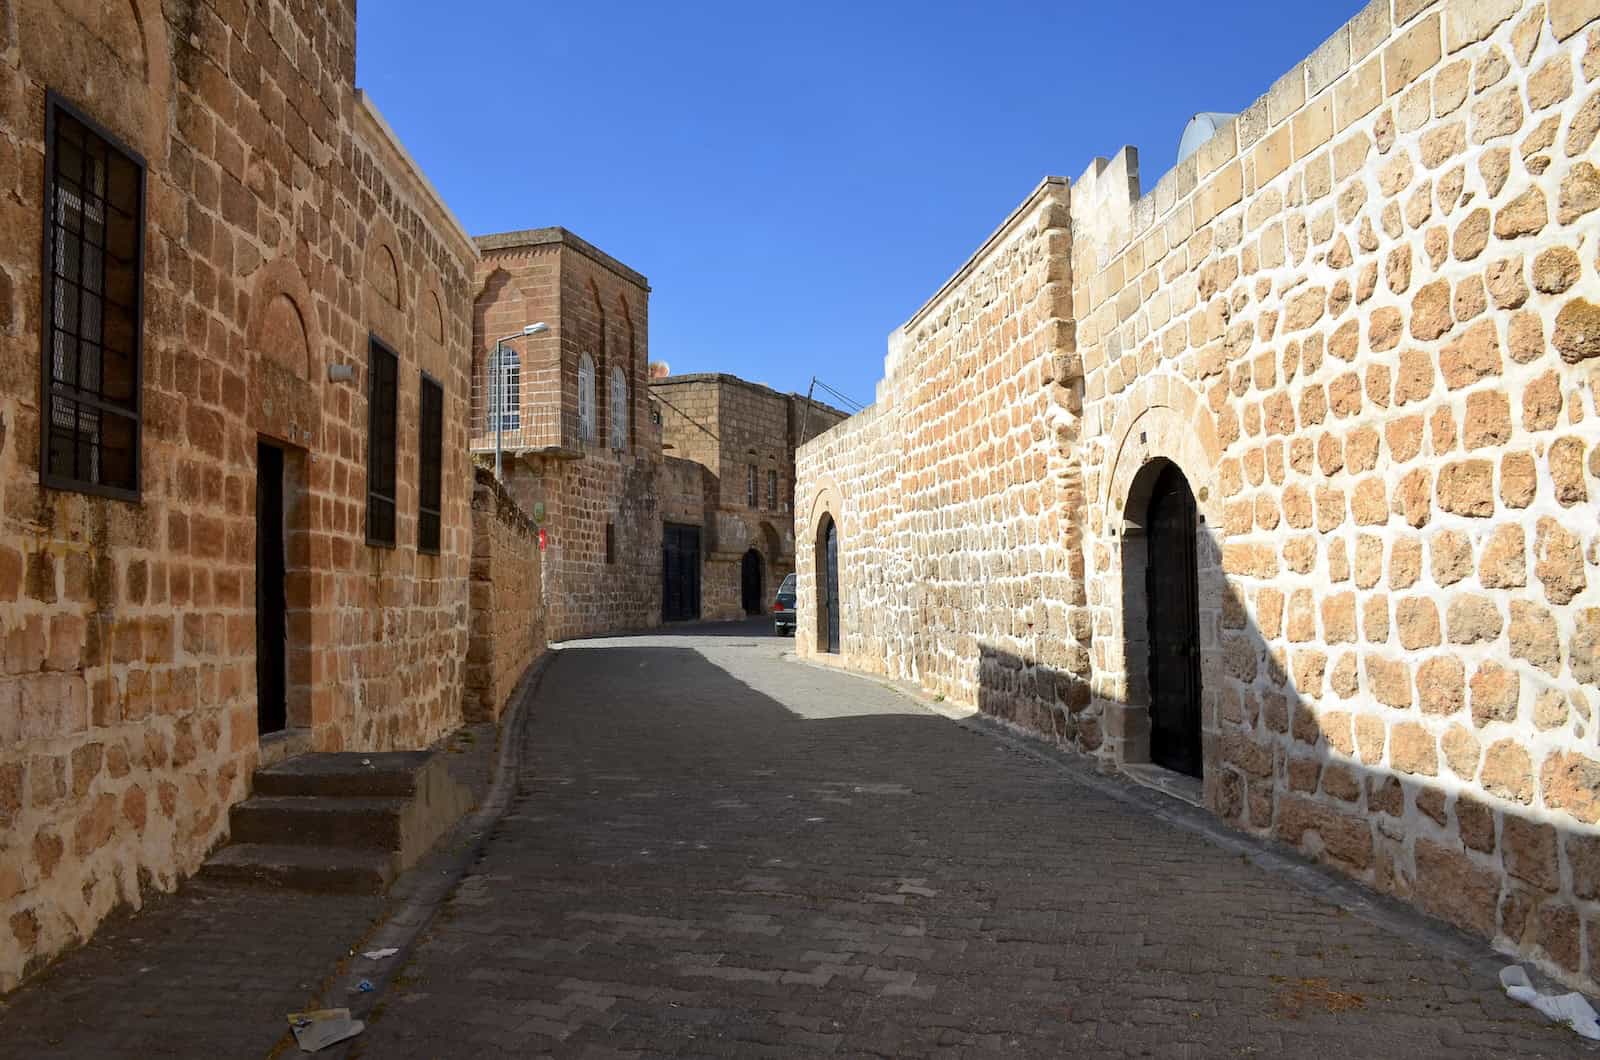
{"points": [[827, 568], [750, 582], [1172, 615]]}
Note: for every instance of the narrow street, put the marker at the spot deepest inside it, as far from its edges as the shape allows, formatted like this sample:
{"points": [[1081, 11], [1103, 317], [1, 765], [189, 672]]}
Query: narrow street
{"points": [[717, 850]]}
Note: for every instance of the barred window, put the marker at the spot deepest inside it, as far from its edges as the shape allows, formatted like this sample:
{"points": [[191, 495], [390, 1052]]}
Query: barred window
{"points": [[93, 284], [505, 396], [750, 485], [772, 490], [383, 416], [619, 408], [430, 447], [586, 398]]}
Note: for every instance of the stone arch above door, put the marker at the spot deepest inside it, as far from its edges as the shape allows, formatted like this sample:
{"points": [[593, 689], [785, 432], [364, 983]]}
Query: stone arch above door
{"points": [[1167, 421], [828, 500], [285, 346]]}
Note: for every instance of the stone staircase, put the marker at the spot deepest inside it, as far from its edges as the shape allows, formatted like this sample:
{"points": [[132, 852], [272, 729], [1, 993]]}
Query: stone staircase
{"points": [[340, 823]]}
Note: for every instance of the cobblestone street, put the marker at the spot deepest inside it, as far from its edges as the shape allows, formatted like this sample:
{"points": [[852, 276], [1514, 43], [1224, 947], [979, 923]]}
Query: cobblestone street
{"points": [[717, 850]]}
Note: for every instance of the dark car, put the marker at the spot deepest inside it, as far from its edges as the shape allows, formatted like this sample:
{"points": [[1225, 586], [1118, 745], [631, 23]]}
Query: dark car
{"points": [[783, 607]]}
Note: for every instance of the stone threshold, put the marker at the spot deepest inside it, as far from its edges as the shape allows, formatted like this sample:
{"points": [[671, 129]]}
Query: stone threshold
{"points": [[1180, 786]]}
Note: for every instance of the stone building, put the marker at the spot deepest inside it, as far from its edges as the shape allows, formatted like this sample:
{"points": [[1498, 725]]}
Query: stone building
{"points": [[235, 521], [728, 492], [578, 449], [1282, 474]]}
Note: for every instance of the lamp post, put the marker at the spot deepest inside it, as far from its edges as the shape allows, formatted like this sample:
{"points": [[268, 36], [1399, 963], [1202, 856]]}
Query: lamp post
{"points": [[500, 387]]}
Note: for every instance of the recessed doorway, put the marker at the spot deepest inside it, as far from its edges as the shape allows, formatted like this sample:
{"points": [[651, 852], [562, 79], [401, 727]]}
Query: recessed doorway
{"points": [[1173, 617], [827, 568], [680, 573], [750, 581], [272, 603]]}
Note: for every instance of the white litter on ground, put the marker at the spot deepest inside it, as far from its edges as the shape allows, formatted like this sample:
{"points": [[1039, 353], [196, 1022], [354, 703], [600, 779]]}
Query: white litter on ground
{"points": [[314, 1031], [378, 955], [1572, 1009]]}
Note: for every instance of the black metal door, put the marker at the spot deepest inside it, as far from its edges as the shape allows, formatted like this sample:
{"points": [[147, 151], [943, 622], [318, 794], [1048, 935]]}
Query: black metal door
{"points": [[1172, 597], [750, 583], [831, 587], [272, 627], [680, 572]]}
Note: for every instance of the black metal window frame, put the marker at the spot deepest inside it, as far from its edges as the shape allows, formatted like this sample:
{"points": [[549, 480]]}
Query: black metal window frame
{"points": [[751, 496], [430, 464], [51, 388], [383, 442], [772, 489]]}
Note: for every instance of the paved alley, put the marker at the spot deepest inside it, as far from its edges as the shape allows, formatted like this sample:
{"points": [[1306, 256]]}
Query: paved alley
{"points": [[717, 850]]}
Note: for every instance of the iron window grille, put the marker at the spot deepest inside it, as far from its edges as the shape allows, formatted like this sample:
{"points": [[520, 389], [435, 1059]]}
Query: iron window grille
{"points": [[430, 449], [93, 307], [586, 398], [772, 490], [619, 409], [505, 399], [383, 416], [750, 485]]}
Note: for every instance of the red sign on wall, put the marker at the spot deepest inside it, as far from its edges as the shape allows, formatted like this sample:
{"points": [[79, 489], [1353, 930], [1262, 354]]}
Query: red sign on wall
{"points": [[541, 539]]}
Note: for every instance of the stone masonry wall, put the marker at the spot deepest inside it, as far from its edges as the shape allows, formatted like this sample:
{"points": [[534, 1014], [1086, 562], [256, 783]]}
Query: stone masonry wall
{"points": [[282, 224], [507, 611], [951, 494], [598, 307], [1362, 321], [730, 425]]}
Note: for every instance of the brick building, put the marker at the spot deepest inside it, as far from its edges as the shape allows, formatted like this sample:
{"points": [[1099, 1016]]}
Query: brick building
{"points": [[728, 494], [579, 451], [1281, 475], [236, 517]]}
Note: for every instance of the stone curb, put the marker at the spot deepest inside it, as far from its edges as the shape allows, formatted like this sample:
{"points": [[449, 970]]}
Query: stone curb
{"points": [[400, 928], [1270, 856]]}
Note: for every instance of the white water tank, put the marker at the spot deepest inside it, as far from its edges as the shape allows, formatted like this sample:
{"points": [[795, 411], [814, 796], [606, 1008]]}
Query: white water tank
{"points": [[1201, 127]]}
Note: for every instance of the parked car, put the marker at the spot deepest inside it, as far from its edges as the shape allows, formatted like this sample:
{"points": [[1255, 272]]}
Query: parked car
{"points": [[783, 608]]}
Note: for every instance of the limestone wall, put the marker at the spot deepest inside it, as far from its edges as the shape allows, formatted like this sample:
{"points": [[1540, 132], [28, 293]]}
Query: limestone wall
{"points": [[507, 611], [952, 493], [282, 224], [1363, 322]]}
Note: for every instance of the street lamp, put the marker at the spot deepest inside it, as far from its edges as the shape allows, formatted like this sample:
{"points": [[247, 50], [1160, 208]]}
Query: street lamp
{"points": [[499, 388]]}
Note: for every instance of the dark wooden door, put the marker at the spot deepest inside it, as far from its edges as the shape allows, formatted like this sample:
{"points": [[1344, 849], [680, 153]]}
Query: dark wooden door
{"points": [[680, 573], [830, 583], [1172, 598], [272, 627], [750, 583]]}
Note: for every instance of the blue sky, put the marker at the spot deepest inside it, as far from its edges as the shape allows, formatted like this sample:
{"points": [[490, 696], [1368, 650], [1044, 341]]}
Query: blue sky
{"points": [[796, 179]]}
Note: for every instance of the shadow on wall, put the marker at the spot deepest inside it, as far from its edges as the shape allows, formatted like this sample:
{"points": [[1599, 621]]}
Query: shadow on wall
{"points": [[1323, 747]]}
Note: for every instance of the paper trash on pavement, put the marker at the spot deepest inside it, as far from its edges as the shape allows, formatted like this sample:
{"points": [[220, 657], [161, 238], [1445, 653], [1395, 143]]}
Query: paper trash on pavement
{"points": [[323, 1027], [1572, 1009]]}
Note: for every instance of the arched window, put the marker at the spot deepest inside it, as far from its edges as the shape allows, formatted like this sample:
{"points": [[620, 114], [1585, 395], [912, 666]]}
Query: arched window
{"points": [[619, 409], [505, 390], [586, 398]]}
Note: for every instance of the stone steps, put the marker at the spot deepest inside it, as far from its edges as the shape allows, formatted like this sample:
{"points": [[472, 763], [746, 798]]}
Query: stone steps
{"points": [[345, 822], [322, 821], [322, 870], [393, 773]]}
